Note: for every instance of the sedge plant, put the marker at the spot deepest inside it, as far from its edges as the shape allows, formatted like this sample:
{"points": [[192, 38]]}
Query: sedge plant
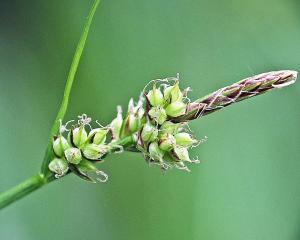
{"points": [[155, 126]]}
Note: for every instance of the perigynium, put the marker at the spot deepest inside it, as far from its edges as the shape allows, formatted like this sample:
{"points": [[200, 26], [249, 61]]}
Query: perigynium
{"points": [[156, 126]]}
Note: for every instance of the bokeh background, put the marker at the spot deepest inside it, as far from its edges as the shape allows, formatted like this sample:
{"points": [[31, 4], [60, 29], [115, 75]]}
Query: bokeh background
{"points": [[247, 186]]}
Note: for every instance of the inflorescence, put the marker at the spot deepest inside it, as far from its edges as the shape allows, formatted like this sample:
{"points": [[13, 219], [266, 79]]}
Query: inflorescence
{"points": [[156, 126], [148, 123]]}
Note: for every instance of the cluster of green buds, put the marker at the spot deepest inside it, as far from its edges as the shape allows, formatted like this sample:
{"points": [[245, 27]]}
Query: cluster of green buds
{"points": [[157, 126], [148, 125], [162, 141], [167, 144], [80, 150]]}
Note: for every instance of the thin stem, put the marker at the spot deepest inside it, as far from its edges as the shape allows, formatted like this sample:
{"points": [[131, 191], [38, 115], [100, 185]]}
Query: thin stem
{"points": [[65, 101], [22, 189], [39, 180]]}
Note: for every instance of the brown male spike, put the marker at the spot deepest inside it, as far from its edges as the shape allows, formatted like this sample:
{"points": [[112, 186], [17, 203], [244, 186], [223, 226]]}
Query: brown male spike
{"points": [[236, 92]]}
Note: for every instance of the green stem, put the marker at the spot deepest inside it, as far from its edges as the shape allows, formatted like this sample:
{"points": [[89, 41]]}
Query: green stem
{"points": [[35, 182], [39, 180], [65, 101], [22, 189]]}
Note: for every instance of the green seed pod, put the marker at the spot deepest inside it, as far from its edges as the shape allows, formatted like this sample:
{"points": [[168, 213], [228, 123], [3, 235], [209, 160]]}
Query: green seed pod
{"points": [[78, 136], [181, 153], [73, 155], [173, 93], [59, 167], [98, 135], [92, 134], [155, 97], [176, 109], [158, 114], [60, 144], [169, 127], [167, 142], [149, 132], [185, 140], [94, 151], [155, 153]]}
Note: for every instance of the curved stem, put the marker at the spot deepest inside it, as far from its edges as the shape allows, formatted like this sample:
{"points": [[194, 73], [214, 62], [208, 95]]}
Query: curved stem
{"points": [[65, 101], [22, 189]]}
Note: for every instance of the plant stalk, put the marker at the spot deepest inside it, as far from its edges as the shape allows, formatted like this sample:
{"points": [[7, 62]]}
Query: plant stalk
{"points": [[65, 101], [29, 185], [35, 182]]}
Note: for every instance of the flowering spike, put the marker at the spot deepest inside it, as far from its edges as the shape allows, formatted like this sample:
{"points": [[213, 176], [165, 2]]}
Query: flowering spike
{"points": [[159, 130], [236, 92]]}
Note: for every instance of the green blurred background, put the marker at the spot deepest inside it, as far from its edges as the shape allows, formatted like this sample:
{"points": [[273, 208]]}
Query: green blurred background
{"points": [[247, 186]]}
